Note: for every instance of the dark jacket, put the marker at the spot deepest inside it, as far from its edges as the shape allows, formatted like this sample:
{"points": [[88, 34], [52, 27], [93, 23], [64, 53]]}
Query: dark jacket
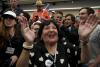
{"points": [[12, 46]]}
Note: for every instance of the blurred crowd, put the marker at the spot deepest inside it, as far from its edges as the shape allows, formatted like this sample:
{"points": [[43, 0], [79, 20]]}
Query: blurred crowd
{"points": [[48, 38]]}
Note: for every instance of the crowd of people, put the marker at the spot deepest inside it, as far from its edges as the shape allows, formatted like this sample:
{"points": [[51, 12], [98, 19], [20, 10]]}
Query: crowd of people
{"points": [[48, 39]]}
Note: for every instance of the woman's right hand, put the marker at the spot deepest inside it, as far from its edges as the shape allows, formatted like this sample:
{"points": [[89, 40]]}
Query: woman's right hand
{"points": [[28, 34]]}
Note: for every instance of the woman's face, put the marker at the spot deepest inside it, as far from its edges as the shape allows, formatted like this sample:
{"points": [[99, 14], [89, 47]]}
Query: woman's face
{"points": [[9, 22], [50, 33]]}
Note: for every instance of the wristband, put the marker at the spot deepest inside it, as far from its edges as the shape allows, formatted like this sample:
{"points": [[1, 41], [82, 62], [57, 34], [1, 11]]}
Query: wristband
{"points": [[83, 42], [25, 46]]}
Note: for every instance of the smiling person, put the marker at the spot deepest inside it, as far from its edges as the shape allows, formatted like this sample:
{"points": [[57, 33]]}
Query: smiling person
{"points": [[71, 33], [90, 54], [50, 50]]}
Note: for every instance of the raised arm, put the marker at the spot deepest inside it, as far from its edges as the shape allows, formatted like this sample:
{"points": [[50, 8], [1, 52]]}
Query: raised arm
{"points": [[85, 29], [29, 36]]}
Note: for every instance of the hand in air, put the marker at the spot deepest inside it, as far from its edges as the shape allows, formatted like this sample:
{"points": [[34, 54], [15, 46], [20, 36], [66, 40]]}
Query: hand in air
{"points": [[28, 34], [85, 28]]}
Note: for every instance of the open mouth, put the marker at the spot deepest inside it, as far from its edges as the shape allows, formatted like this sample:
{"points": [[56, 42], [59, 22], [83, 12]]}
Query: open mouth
{"points": [[51, 35]]}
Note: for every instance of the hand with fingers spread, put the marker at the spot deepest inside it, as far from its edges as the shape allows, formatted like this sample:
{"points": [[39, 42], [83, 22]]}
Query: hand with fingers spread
{"points": [[26, 31], [85, 28]]}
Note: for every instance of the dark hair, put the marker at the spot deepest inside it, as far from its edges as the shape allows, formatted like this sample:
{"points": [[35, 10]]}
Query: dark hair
{"points": [[26, 15], [59, 12], [47, 22], [72, 17], [89, 10]]}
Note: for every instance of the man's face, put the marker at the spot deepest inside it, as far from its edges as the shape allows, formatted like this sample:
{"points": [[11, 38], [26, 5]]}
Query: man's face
{"points": [[13, 2], [58, 18], [68, 21], [83, 15]]}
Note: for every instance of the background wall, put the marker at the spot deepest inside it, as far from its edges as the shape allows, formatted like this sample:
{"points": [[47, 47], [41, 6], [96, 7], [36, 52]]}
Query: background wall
{"points": [[71, 6], [66, 6]]}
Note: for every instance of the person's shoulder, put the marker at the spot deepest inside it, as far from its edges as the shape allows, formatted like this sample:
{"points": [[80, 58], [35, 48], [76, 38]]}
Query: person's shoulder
{"points": [[98, 27], [95, 32]]}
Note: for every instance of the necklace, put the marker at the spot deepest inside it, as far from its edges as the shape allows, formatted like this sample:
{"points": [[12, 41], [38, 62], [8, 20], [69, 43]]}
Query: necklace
{"points": [[51, 62], [54, 59]]}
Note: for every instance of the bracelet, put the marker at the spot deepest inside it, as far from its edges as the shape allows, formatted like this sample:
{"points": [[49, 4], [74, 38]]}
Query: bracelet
{"points": [[25, 46]]}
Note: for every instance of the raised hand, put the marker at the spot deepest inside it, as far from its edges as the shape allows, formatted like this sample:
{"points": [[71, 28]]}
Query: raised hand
{"points": [[85, 28], [28, 34]]}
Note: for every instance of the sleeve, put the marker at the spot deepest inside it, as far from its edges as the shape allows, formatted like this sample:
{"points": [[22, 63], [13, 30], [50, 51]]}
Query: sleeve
{"points": [[46, 15], [35, 16]]}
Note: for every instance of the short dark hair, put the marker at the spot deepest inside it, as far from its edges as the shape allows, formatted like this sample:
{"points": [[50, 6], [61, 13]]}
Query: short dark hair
{"points": [[72, 17], [89, 10], [26, 14], [59, 12]]}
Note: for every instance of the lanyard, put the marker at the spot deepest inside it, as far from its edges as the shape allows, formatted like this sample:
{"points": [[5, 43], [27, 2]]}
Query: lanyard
{"points": [[54, 59]]}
